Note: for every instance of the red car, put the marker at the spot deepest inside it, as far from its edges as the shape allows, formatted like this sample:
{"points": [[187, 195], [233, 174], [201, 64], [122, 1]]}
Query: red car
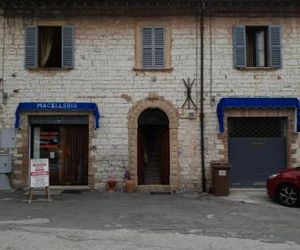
{"points": [[285, 186]]}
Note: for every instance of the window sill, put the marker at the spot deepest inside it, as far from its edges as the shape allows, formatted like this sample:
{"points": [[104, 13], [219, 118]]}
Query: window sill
{"points": [[153, 69], [258, 68], [46, 69]]}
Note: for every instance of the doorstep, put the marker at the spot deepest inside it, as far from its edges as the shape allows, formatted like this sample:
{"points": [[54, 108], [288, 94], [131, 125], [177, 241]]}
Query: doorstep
{"points": [[79, 187], [55, 190], [154, 188]]}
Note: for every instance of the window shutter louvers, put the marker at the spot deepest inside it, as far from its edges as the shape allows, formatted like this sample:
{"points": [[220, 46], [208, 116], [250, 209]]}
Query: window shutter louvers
{"points": [[159, 47], [67, 47], [274, 46], [31, 47], [239, 46], [147, 47], [153, 40]]}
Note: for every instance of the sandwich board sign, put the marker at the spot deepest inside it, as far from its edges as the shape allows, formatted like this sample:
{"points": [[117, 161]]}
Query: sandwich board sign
{"points": [[39, 173], [39, 176]]}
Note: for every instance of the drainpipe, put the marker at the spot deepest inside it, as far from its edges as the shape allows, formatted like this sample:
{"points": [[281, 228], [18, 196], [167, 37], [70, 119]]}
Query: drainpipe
{"points": [[201, 98], [3, 97]]}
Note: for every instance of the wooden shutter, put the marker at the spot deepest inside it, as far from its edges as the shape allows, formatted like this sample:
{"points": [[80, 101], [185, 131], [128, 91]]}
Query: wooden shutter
{"points": [[159, 41], [274, 46], [147, 38], [67, 47], [239, 46], [153, 40], [31, 47]]}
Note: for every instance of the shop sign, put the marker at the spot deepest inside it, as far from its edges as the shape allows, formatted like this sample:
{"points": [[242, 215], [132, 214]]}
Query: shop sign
{"points": [[39, 173], [57, 106]]}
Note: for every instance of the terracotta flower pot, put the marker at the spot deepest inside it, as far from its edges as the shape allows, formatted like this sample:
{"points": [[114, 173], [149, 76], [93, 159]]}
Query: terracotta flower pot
{"points": [[111, 185], [130, 186]]}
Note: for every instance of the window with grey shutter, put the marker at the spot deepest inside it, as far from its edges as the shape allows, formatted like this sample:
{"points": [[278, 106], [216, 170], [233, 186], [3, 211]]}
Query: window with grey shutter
{"points": [[274, 46], [257, 46], [153, 42], [49, 47], [67, 47], [31, 47], [239, 46]]}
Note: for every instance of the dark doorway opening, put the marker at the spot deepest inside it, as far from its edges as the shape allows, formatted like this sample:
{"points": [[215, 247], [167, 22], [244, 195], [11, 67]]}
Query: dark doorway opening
{"points": [[153, 148]]}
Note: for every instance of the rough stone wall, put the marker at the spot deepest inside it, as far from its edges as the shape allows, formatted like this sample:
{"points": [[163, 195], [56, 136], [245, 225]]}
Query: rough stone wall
{"points": [[104, 73], [1, 64], [104, 62]]}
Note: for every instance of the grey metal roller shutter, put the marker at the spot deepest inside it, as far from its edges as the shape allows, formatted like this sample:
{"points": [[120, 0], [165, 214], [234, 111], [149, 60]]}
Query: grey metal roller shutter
{"points": [[256, 149]]}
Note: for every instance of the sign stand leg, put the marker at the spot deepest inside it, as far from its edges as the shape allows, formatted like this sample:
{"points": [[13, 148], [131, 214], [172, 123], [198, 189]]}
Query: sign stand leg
{"points": [[30, 195], [48, 193]]}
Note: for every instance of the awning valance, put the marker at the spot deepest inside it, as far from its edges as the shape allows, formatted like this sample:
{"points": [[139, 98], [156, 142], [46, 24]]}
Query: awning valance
{"points": [[257, 102], [57, 106]]}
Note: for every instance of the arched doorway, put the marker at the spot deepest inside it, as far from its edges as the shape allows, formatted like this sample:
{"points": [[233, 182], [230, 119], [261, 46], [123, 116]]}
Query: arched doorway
{"points": [[153, 148]]}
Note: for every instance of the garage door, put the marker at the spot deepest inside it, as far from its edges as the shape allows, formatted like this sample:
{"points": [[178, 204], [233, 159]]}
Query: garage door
{"points": [[256, 148]]}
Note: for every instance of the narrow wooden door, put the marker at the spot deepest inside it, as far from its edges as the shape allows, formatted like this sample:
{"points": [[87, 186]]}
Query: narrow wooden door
{"points": [[75, 155], [165, 157], [140, 155]]}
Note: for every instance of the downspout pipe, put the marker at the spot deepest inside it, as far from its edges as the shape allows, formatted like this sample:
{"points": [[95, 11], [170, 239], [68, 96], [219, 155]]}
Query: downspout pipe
{"points": [[202, 97], [3, 95]]}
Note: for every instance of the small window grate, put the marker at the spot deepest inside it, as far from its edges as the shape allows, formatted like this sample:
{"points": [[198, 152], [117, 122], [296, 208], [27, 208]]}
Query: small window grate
{"points": [[256, 127]]}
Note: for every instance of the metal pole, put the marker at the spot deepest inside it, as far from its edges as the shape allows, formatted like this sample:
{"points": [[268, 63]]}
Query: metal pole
{"points": [[201, 99]]}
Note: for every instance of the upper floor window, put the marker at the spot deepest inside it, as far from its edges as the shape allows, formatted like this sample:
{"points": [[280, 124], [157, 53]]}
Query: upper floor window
{"points": [[153, 41], [153, 48], [257, 46], [49, 47]]}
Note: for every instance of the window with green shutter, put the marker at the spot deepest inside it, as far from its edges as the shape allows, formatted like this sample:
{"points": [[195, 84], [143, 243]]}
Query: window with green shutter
{"points": [[257, 46], [49, 47]]}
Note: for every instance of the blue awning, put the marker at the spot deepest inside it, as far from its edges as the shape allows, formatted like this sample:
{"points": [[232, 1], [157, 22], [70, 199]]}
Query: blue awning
{"points": [[257, 102], [57, 106]]}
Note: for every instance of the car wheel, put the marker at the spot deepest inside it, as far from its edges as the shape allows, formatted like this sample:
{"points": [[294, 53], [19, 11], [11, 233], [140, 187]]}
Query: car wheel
{"points": [[288, 195]]}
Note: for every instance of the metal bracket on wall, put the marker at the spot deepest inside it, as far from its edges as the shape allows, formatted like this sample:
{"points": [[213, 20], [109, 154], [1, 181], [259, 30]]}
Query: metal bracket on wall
{"points": [[189, 101]]}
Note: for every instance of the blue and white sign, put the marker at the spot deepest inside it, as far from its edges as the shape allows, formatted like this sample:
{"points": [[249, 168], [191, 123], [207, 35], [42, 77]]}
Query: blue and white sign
{"points": [[57, 106]]}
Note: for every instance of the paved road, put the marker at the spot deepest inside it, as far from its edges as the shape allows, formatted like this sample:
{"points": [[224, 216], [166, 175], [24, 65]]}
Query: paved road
{"points": [[94, 220]]}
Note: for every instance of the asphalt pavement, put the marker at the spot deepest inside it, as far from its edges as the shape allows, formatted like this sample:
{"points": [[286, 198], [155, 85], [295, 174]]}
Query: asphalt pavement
{"points": [[246, 219]]}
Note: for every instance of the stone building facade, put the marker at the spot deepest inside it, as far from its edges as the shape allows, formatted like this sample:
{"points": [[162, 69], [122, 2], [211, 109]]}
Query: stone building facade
{"points": [[107, 71]]}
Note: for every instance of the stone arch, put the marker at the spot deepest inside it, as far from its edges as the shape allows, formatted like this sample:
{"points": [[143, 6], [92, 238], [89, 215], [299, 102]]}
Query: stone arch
{"points": [[153, 101]]}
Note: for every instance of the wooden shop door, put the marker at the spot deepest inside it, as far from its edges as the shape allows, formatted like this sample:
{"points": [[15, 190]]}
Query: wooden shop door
{"points": [[75, 155]]}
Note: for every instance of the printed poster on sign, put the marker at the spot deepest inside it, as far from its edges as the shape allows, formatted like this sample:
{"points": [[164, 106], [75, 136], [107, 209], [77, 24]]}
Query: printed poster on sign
{"points": [[39, 173]]}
